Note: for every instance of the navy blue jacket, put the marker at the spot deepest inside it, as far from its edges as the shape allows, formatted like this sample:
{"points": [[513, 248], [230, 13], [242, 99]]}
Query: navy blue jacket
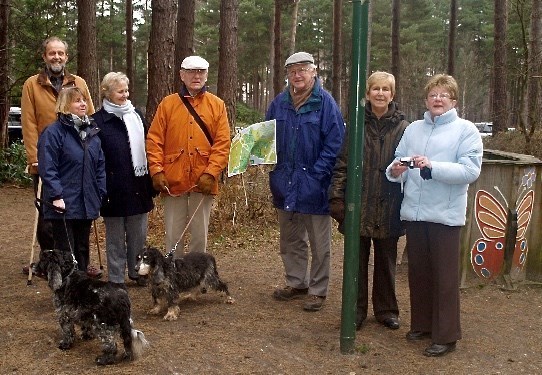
{"points": [[71, 169], [308, 141], [127, 194]]}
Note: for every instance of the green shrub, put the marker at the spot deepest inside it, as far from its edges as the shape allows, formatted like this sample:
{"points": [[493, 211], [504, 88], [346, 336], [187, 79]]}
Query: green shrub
{"points": [[13, 165], [246, 115]]}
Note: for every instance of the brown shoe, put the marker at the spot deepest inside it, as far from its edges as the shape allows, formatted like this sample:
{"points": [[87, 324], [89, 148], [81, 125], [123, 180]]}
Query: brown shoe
{"points": [[94, 272], [288, 293], [314, 303]]}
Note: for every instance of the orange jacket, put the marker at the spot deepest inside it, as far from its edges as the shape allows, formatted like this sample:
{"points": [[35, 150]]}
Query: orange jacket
{"points": [[177, 146], [38, 102]]}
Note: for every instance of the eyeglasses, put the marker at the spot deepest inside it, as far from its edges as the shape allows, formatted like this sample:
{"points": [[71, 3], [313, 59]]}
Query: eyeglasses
{"points": [[196, 71], [444, 95], [300, 71]]}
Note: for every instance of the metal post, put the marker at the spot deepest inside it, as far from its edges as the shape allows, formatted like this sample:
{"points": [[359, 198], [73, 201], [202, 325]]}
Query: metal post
{"points": [[354, 174]]}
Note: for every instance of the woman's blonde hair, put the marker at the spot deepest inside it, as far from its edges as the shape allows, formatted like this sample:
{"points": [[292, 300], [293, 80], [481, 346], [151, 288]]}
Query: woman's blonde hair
{"points": [[66, 97], [110, 81], [378, 77], [443, 80]]}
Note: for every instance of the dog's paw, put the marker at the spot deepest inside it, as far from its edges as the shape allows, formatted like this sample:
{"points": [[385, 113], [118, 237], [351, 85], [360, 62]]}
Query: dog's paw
{"points": [[172, 313], [230, 300], [154, 311], [106, 359], [65, 344]]}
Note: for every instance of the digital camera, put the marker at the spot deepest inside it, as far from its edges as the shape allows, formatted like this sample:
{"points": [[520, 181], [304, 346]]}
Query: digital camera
{"points": [[407, 161]]}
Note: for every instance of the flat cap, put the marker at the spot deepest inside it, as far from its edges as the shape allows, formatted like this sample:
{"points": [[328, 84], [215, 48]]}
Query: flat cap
{"points": [[194, 62], [299, 58]]}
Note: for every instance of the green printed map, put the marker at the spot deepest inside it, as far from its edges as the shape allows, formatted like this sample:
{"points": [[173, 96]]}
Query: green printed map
{"points": [[255, 144]]}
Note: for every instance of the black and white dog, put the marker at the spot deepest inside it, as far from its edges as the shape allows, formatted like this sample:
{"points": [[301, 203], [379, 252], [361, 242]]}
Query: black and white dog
{"points": [[194, 272], [98, 307]]}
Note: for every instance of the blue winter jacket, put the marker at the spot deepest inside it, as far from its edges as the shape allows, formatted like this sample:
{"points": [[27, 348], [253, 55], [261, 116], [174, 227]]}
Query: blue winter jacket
{"points": [[71, 169], [454, 148], [308, 141]]}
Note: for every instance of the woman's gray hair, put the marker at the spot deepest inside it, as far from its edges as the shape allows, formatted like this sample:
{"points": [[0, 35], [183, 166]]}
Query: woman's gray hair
{"points": [[111, 80]]}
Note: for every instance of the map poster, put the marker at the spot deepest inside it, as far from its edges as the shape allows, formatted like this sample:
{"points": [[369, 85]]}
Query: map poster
{"points": [[253, 145]]}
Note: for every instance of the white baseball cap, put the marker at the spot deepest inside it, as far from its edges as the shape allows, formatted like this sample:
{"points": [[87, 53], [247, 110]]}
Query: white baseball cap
{"points": [[299, 58], [194, 62]]}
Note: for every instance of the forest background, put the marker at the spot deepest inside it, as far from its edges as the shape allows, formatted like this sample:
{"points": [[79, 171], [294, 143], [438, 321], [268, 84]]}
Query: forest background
{"points": [[492, 47]]}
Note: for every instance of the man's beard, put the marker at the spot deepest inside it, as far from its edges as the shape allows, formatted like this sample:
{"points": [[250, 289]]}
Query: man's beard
{"points": [[56, 68]]}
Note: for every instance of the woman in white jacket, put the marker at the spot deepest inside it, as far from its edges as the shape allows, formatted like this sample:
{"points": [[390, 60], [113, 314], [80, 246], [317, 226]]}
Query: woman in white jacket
{"points": [[436, 160]]}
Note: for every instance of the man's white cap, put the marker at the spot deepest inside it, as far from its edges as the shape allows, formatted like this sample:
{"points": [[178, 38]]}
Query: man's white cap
{"points": [[299, 58], [194, 62]]}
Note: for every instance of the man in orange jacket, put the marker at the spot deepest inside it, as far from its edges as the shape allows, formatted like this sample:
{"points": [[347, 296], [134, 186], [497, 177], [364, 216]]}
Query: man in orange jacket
{"points": [[186, 155]]}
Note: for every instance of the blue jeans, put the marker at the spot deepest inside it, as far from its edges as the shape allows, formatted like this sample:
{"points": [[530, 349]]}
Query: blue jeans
{"points": [[125, 238]]}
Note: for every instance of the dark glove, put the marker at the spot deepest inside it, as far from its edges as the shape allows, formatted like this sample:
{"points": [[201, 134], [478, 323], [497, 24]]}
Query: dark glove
{"points": [[159, 182], [425, 173], [336, 209], [206, 183]]}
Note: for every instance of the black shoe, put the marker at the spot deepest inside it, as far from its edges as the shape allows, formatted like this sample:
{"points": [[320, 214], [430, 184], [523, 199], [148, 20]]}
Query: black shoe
{"points": [[437, 350], [391, 323], [139, 280], [417, 335], [288, 293]]}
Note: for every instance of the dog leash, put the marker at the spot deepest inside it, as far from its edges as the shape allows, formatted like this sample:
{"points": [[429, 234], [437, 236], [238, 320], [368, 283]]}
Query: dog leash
{"points": [[172, 251], [38, 202]]}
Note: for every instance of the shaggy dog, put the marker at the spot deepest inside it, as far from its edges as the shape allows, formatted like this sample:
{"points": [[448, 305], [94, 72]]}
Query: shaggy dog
{"points": [[100, 308], [169, 277]]}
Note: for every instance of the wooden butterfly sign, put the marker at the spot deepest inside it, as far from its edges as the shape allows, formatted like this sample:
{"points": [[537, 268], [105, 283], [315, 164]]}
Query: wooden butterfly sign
{"points": [[487, 253]]}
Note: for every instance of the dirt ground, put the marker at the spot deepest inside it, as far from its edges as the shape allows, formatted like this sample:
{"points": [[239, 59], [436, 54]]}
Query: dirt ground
{"points": [[502, 331]]}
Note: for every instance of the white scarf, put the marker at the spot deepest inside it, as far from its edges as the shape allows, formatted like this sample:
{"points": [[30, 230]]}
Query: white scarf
{"points": [[136, 133]]}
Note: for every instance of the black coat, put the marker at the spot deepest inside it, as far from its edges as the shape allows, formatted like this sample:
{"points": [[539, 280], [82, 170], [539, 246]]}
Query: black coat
{"points": [[127, 194], [380, 198]]}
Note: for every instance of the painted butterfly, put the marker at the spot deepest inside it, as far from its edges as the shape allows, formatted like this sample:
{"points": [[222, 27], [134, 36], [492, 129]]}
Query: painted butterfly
{"points": [[487, 253]]}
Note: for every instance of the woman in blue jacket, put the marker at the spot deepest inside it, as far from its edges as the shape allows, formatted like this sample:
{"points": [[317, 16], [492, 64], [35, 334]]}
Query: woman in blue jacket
{"points": [[72, 169], [129, 186], [444, 155], [310, 131]]}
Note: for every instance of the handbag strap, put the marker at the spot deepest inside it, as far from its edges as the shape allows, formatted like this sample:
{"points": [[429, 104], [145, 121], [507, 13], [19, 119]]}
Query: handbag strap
{"points": [[197, 118]]}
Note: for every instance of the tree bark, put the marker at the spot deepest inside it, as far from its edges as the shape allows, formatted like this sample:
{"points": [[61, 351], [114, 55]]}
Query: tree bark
{"points": [[160, 56], [184, 42], [337, 57], [534, 79], [227, 65], [395, 43], [4, 72], [130, 48], [87, 56], [293, 28], [278, 82], [500, 111], [451, 37]]}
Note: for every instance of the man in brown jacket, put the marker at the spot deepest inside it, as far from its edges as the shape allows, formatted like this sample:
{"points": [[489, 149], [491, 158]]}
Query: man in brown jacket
{"points": [[38, 111], [186, 157]]}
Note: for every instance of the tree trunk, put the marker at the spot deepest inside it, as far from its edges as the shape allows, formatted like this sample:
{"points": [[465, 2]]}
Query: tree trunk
{"points": [[451, 37], [184, 42], [534, 79], [278, 82], [395, 43], [87, 57], [4, 73], [500, 111], [160, 56], [293, 28], [337, 58], [130, 48], [227, 65]]}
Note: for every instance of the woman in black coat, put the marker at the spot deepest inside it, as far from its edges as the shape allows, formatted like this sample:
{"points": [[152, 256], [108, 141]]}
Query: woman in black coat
{"points": [[129, 186]]}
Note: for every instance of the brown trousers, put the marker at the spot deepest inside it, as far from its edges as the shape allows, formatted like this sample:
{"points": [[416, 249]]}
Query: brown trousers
{"points": [[433, 278]]}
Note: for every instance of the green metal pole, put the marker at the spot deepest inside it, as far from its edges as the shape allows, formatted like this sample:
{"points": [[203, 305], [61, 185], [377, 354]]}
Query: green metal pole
{"points": [[354, 174]]}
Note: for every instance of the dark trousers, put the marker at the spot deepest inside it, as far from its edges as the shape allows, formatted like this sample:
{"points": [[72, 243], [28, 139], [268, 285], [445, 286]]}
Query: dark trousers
{"points": [[433, 279], [73, 236], [44, 231], [383, 294]]}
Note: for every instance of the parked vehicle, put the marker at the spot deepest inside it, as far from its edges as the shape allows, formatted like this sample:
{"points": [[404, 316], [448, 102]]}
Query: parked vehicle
{"points": [[15, 131]]}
